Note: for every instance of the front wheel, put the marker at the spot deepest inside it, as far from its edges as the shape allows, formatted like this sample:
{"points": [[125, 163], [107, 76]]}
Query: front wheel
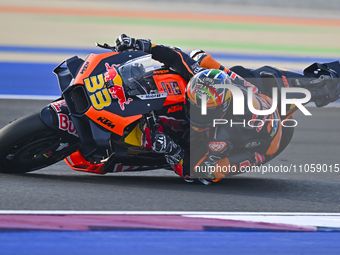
{"points": [[25, 145]]}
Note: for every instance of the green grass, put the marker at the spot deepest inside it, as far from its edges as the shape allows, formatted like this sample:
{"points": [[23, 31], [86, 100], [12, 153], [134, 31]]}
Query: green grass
{"points": [[198, 24], [219, 27], [252, 46]]}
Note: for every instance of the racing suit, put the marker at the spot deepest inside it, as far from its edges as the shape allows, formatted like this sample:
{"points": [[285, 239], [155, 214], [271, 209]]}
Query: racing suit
{"points": [[241, 143], [245, 141]]}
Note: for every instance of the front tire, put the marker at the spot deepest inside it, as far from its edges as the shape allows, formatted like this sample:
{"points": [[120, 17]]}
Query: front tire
{"points": [[23, 142]]}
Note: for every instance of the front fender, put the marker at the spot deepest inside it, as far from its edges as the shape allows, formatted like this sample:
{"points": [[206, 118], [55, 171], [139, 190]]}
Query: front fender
{"points": [[56, 116]]}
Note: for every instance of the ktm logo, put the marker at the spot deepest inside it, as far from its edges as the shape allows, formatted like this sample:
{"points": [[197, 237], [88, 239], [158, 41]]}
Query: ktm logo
{"points": [[85, 67], [106, 122], [175, 108]]}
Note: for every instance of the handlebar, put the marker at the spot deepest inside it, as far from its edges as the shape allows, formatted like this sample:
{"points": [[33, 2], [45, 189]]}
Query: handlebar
{"points": [[106, 46]]}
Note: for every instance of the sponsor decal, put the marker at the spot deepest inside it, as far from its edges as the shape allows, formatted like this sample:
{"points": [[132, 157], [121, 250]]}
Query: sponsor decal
{"points": [[66, 124], [259, 158], [196, 68], [117, 91], [57, 105], [275, 127], [161, 71], [175, 108], [86, 65], [297, 82], [217, 146], [244, 164], [285, 82], [48, 154], [172, 88], [252, 144], [175, 88], [152, 96], [111, 72], [100, 95], [106, 122]]}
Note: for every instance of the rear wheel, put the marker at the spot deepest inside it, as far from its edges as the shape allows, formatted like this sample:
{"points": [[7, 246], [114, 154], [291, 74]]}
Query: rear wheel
{"points": [[26, 145]]}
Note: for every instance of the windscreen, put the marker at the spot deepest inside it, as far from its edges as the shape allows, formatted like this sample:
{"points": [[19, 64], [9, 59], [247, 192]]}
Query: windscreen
{"points": [[132, 73]]}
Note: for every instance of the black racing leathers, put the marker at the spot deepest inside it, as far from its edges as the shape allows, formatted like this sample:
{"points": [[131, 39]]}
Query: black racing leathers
{"points": [[177, 60]]}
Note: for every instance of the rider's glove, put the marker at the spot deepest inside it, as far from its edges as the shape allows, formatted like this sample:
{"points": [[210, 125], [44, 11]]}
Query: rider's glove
{"points": [[174, 154], [162, 143], [124, 42]]}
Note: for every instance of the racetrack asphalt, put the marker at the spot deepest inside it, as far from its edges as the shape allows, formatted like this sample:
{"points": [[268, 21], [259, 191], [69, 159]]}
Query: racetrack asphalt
{"points": [[316, 141]]}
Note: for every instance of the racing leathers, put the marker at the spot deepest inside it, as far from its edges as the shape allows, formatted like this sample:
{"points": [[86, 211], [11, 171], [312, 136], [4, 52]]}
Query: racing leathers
{"points": [[236, 142], [233, 144]]}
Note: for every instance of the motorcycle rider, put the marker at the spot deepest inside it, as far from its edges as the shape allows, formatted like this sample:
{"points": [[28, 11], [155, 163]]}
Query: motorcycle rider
{"points": [[233, 146]]}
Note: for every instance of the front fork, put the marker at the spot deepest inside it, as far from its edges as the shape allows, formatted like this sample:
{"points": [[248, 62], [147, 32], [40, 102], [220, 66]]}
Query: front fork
{"points": [[151, 121]]}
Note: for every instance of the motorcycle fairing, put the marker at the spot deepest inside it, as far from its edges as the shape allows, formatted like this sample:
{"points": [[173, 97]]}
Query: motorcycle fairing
{"points": [[77, 162], [101, 106], [111, 121], [56, 116], [172, 84], [135, 137], [92, 66], [66, 74], [172, 113]]}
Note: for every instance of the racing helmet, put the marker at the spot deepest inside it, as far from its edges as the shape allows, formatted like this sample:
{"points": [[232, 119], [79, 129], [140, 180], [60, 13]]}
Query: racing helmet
{"points": [[217, 99]]}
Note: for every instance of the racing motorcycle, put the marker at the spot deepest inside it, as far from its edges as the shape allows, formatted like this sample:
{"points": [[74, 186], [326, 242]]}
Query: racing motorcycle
{"points": [[109, 104]]}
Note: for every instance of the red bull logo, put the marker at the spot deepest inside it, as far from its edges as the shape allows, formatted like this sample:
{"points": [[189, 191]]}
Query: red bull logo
{"points": [[117, 91], [111, 73], [100, 94]]}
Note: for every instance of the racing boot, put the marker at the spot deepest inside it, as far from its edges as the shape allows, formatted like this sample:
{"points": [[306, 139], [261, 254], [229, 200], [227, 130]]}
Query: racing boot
{"points": [[205, 60]]}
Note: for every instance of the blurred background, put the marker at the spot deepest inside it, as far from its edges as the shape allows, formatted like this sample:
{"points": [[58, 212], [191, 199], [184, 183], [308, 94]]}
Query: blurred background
{"points": [[37, 35]]}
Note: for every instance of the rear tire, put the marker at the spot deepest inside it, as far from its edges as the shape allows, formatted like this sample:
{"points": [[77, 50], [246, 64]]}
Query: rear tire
{"points": [[23, 140]]}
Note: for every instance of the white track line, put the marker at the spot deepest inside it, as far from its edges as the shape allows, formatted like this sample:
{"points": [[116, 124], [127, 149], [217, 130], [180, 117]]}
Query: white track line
{"points": [[325, 220], [68, 212], [31, 97]]}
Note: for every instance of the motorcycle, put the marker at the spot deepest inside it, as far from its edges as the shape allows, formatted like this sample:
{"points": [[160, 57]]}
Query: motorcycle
{"points": [[111, 102]]}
